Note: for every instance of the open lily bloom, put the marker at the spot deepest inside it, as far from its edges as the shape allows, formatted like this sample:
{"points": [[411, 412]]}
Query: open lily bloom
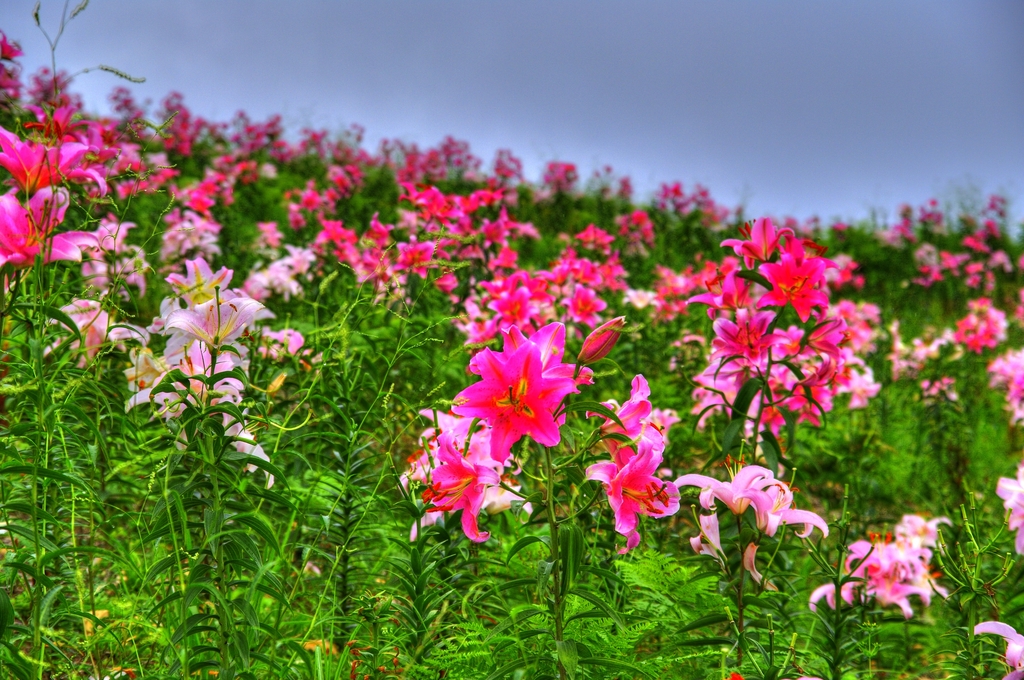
{"points": [[459, 484], [215, 324], [633, 490], [520, 389], [26, 233], [754, 485], [761, 242], [1014, 646]]}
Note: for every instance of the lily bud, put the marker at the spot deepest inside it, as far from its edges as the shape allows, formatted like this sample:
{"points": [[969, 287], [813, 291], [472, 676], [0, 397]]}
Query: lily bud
{"points": [[599, 343]]}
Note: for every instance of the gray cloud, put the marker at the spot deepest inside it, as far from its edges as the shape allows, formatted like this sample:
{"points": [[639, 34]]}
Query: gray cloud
{"points": [[803, 107]]}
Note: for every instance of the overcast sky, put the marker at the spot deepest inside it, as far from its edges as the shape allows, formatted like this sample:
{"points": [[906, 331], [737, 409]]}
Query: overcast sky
{"points": [[796, 107]]}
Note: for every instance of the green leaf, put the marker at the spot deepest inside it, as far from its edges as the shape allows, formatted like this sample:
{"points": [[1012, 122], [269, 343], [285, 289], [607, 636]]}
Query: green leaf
{"points": [[732, 430], [6, 612], [614, 665], [771, 449], [741, 404], [522, 543], [755, 277], [568, 655], [601, 605], [709, 620], [504, 671], [706, 642], [595, 407]]}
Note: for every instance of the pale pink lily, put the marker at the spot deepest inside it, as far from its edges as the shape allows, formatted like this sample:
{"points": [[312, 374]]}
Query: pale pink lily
{"points": [[754, 485], [1014, 646], [709, 541], [735, 494], [215, 324], [1012, 492], [200, 282]]}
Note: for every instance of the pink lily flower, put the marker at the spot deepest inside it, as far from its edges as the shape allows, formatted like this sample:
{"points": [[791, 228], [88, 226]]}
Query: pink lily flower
{"points": [[750, 562], [215, 324], [26, 233], [34, 166], [772, 509], [709, 541], [725, 292], [746, 337], [1012, 493], [797, 282], [633, 489], [635, 416], [520, 389], [1014, 646], [760, 242], [200, 282], [459, 484], [735, 494]]}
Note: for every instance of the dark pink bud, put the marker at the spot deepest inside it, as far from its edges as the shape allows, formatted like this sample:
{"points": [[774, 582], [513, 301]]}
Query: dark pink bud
{"points": [[600, 342]]}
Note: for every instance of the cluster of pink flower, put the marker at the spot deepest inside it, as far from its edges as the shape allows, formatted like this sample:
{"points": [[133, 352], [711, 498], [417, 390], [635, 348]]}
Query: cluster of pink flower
{"points": [[890, 571], [977, 266], [631, 478], [672, 289], [802, 369], [520, 393], [1007, 372], [984, 327], [10, 83], [283, 276], [638, 230], [673, 198], [559, 178], [201, 325], [569, 291], [908, 361], [451, 159], [189, 234]]}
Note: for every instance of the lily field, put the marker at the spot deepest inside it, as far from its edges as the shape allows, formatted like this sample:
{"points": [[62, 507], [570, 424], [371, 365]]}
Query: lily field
{"points": [[284, 406]]}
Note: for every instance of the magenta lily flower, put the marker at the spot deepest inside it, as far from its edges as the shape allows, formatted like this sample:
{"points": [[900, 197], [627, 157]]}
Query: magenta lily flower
{"points": [[746, 337], [1014, 646], [760, 242], [459, 484], [26, 233], [520, 389], [34, 166], [633, 490], [725, 292], [797, 282]]}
